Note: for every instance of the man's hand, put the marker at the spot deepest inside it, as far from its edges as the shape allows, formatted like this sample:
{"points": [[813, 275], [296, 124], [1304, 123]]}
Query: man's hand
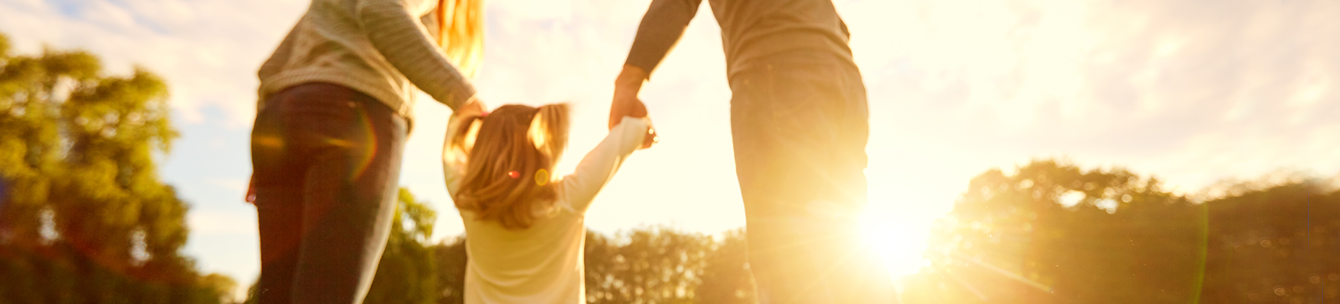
{"points": [[651, 138], [626, 87]]}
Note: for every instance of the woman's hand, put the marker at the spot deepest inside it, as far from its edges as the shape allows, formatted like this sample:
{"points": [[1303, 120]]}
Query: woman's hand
{"points": [[251, 191], [472, 107]]}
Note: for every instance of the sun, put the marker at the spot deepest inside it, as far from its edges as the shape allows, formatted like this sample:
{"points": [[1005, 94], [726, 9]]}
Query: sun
{"points": [[898, 243]]}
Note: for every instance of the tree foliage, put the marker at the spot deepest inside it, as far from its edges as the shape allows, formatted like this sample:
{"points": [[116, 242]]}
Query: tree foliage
{"points": [[1053, 233], [407, 270], [653, 266], [84, 217]]}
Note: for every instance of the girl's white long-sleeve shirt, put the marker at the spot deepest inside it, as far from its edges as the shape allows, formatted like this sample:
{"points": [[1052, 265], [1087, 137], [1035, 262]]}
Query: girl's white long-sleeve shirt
{"points": [[543, 263]]}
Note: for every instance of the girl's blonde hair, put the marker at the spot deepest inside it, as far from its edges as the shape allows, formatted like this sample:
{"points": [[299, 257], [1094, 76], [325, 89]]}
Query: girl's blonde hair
{"points": [[461, 33], [508, 161]]}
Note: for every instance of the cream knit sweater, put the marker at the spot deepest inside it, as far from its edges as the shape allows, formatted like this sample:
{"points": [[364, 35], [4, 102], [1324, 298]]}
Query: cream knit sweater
{"points": [[383, 48]]}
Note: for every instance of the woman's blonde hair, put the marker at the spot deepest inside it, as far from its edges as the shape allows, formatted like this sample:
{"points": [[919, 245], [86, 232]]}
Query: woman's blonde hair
{"points": [[508, 161], [461, 33]]}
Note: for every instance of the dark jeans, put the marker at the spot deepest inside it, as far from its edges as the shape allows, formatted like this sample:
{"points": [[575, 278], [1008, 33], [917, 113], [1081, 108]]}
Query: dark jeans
{"points": [[326, 161], [799, 124]]}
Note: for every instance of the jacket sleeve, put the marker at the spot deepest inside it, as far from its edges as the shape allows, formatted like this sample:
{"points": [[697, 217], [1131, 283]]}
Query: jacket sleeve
{"points": [[598, 167], [405, 43], [660, 30]]}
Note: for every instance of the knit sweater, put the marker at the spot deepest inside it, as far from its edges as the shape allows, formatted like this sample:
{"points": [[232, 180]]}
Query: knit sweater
{"points": [[382, 48]]}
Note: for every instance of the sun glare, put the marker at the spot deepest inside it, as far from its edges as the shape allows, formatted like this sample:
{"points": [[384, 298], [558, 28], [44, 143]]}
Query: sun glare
{"points": [[898, 244]]}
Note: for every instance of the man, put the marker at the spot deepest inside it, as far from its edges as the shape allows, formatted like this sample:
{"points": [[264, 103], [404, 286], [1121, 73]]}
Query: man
{"points": [[799, 123]]}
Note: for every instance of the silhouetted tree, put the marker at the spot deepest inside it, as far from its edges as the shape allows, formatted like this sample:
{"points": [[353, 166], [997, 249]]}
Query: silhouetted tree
{"points": [[451, 263], [1052, 233], [725, 276], [655, 265], [1274, 243], [84, 217]]}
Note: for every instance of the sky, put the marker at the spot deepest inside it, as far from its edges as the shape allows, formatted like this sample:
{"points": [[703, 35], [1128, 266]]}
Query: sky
{"points": [[1195, 92]]}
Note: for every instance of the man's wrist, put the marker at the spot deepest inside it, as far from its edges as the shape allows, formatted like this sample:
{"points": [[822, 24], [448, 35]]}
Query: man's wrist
{"points": [[631, 78]]}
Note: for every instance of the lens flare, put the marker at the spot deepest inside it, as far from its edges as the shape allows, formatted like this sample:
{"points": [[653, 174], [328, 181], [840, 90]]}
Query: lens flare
{"points": [[542, 177], [370, 135]]}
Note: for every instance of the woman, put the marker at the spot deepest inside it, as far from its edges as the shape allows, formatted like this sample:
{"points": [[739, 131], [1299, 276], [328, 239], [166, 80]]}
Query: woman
{"points": [[335, 107]]}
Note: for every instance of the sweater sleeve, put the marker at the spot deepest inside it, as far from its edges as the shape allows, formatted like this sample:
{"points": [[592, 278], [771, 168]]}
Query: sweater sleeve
{"points": [[278, 59], [405, 43], [598, 167], [660, 29]]}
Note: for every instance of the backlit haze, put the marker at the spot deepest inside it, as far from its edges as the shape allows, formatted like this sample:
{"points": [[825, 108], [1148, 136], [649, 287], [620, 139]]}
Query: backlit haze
{"points": [[1193, 92]]}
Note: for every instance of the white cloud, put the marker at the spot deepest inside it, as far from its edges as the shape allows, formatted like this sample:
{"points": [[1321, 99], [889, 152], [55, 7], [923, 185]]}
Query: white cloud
{"points": [[207, 50], [221, 223]]}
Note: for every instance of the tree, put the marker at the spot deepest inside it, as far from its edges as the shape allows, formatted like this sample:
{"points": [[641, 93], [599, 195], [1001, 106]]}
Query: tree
{"points": [[451, 263], [1274, 243], [655, 265], [1053, 233], [407, 270], [725, 276], [84, 217]]}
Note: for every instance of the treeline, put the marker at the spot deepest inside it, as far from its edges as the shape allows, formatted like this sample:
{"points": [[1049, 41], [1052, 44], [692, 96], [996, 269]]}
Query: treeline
{"points": [[1050, 233], [84, 217], [1053, 233]]}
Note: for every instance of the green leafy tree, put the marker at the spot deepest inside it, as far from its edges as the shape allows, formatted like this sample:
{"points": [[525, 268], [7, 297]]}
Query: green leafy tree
{"points": [[653, 266], [407, 272], [725, 276], [451, 263], [1274, 243], [84, 217], [1053, 233]]}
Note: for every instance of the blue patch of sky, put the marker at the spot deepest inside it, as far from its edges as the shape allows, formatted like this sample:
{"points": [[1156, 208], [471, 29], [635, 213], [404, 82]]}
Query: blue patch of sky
{"points": [[69, 8], [75, 8], [206, 152], [203, 160]]}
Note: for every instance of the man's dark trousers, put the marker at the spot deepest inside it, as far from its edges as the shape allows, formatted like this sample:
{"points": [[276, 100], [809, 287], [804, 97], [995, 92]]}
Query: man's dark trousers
{"points": [[800, 122]]}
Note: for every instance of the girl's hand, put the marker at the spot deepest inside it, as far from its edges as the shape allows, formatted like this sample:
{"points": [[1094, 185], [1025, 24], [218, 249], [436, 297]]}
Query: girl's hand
{"points": [[651, 138]]}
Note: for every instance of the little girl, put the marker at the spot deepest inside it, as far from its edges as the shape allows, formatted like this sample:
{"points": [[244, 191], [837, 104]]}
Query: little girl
{"points": [[524, 227]]}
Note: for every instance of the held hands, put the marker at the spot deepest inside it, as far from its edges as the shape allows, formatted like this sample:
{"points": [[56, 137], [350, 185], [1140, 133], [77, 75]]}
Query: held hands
{"points": [[472, 107], [625, 103]]}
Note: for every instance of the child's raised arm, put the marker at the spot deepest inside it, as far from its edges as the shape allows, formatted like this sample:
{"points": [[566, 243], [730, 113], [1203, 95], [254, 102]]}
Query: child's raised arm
{"points": [[599, 165]]}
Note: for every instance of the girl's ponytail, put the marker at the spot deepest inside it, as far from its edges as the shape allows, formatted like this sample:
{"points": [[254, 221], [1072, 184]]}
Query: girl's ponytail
{"points": [[549, 130], [458, 149], [507, 170]]}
